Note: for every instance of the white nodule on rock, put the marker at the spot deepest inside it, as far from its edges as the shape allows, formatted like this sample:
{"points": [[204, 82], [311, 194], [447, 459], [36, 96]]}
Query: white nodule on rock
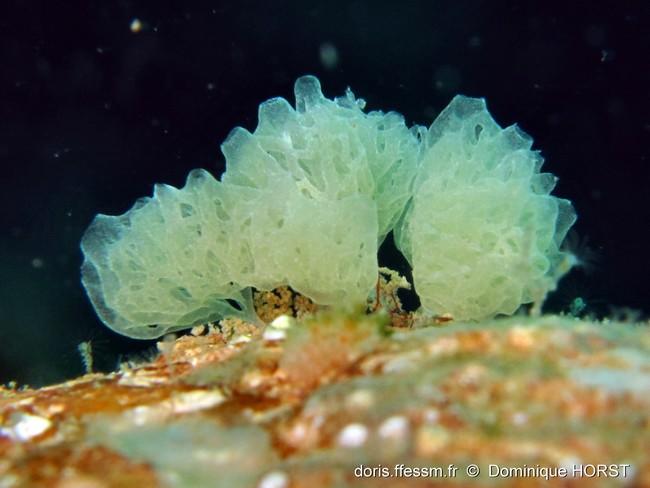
{"points": [[283, 322], [274, 479], [396, 427], [24, 426], [193, 401], [353, 435], [272, 334], [360, 400]]}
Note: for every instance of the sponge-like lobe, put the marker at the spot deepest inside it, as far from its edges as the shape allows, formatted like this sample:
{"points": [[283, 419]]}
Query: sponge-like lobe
{"points": [[298, 205], [482, 232], [182, 257], [331, 149], [166, 264], [307, 198]]}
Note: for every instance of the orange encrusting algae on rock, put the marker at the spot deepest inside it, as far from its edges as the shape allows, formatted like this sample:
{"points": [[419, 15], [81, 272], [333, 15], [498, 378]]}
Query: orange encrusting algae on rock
{"points": [[305, 402]]}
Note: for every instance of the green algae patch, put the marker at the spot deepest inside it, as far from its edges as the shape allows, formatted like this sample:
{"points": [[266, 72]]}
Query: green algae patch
{"points": [[192, 452]]}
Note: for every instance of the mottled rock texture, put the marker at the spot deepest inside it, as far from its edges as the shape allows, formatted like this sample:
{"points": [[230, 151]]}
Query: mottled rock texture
{"points": [[304, 402]]}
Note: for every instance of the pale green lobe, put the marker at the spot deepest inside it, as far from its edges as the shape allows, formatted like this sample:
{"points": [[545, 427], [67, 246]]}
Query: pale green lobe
{"points": [[307, 198], [482, 232], [300, 204]]}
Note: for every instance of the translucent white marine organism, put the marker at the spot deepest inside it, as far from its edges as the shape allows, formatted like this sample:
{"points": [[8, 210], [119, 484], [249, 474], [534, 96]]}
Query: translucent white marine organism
{"points": [[307, 198]]}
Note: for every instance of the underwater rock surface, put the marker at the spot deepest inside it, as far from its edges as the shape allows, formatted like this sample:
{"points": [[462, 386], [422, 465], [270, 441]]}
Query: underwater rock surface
{"points": [[307, 403]]}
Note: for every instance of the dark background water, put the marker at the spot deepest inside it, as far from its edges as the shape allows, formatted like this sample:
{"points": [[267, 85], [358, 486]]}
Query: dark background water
{"points": [[93, 113]]}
